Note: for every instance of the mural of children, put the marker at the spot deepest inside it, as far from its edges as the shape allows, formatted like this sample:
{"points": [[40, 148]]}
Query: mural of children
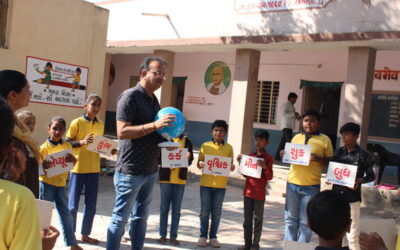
{"points": [[76, 79], [46, 72]]}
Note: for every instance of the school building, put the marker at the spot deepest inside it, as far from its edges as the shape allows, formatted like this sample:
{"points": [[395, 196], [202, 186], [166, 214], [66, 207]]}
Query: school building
{"points": [[68, 34], [339, 56]]}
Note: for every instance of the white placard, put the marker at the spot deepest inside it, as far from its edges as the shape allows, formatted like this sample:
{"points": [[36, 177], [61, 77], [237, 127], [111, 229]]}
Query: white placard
{"points": [[174, 158], [248, 166], [298, 154], [341, 174], [58, 165], [102, 145], [45, 210], [217, 165], [386, 228]]}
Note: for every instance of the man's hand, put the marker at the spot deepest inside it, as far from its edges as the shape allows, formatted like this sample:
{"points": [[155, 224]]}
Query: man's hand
{"points": [[49, 238], [200, 164], [88, 139], [372, 241], [164, 121]]}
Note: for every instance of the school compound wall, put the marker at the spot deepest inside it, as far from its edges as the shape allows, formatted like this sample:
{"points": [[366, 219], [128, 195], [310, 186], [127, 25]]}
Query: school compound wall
{"points": [[286, 67], [72, 32]]}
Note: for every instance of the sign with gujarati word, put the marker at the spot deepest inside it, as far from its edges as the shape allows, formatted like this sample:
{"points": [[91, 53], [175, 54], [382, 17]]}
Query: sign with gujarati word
{"points": [[56, 83], [297, 154], [102, 145], [45, 210], [341, 174], [217, 165], [249, 166], [174, 158], [257, 6], [386, 74], [58, 164]]}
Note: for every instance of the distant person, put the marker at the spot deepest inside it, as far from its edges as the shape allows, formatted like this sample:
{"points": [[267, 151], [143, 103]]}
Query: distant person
{"points": [[213, 187], [28, 118], [172, 187], [254, 193], [217, 86], [137, 163], [305, 181], [288, 120], [351, 153]]}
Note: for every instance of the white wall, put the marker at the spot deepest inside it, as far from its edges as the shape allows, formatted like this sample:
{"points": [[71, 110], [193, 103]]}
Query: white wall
{"points": [[210, 18]]}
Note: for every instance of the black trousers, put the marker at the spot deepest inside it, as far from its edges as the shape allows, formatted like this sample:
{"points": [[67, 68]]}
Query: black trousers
{"points": [[253, 209], [287, 135]]}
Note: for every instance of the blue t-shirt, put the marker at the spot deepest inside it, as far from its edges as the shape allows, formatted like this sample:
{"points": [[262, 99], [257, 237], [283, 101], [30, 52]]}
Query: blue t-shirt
{"points": [[139, 156]]}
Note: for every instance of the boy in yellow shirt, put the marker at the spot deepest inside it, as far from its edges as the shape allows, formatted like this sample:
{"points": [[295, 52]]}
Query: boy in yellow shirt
{"points": [[212, 187], [304, 181], [53, 189], [85, 174]]}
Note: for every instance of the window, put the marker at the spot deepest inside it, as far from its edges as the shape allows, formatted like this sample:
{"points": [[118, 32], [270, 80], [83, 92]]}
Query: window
{"points": [[266, 99], [3, 22]]}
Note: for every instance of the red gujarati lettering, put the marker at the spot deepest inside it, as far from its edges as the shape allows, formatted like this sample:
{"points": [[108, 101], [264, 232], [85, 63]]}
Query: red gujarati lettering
{"points": [[215, 162], [58, 161], [103, 144], [340, 172], [249, 163], [175, 156]]}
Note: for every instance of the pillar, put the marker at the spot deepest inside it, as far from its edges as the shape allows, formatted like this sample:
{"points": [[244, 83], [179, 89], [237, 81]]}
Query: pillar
{"points": [[358, 90], [244, 88], [164, 94]]}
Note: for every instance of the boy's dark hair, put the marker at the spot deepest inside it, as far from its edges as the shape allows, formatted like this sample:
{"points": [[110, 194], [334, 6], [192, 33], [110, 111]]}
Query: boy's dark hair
{"points": [[292, 95], [78, 70], [11, 80], [261, 133], [57, 119], [49, 64], [93, 96], [6, 124], [146, 63], [328, 214], [220, 124], [312, 112], [350, 127]]}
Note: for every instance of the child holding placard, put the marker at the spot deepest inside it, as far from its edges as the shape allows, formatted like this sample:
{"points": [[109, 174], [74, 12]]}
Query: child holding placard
{"points": [[254, 192], [172, 187], [212, 187], [351, 153], [86, 171], [304, 181], [53, 188]]}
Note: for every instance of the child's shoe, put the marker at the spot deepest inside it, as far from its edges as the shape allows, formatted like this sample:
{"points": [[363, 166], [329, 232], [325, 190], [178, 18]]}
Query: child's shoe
{"points": [[202, 242], [175, 242], [162, 240], [215, 243]]}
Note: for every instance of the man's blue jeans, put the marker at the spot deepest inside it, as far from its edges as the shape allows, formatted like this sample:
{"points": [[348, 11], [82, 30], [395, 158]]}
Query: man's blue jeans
{"points": [[297, 198], [133, 198], [58, 196], [211, 203], [171, 195]]}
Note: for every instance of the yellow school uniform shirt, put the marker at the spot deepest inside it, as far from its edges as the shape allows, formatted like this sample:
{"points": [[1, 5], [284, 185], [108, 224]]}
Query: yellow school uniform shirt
{"points": [[311, 174], [211, 148], [88, 161], [48, 148], [19, 223], [174, 174]]}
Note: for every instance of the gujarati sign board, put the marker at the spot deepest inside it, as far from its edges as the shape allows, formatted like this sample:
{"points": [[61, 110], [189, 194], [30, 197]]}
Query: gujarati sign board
{"points": [[341, 174], [257, 6], [217, 165], [56, 83], [174, 158], [249, 166], [297, 154]]}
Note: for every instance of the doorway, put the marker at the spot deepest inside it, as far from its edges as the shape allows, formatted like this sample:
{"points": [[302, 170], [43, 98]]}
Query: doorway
{"points": [[178, 92], [326, 100]]}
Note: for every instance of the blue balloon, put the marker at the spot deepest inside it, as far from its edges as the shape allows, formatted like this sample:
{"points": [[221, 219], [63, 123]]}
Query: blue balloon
{"points": [[178, 126]]}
